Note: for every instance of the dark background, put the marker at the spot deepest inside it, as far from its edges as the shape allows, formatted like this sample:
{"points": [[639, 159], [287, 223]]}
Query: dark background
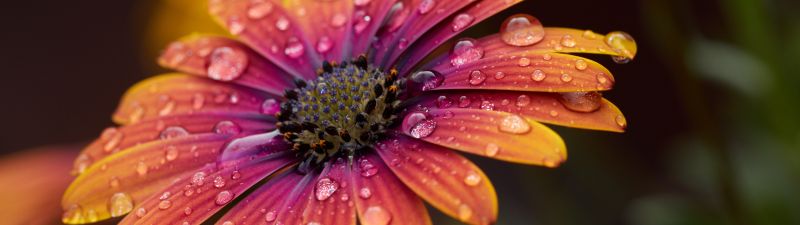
{"points": [[704, 145]]}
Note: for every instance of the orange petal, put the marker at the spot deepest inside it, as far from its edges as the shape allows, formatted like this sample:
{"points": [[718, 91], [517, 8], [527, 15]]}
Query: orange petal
{"points": [[544, 107], [445, 179], [498, 135], [382, 198], [567, 40], [176, 94], [135, 174]]}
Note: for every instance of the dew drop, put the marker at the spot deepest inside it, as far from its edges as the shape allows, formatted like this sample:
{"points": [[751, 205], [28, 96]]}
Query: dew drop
{"points": [[226, 64], [361, 2], [547, 57], [338, 20], [472, 178], [487, 105], [621, 121], [198, 101], [464, 212], [271, 216], [294, 49], [524, 61], [228, 223], [364, 193], [623, 44], [198, 178], [538, 75], [566, 77], [223, 197], [522, 30], [120, 204], [465, 51], [259, 9], [523, 100], [418, 125], [514, 124], [443, 102], [325, 188], [282, 24], [219, 182], [324, 44], [491, 149], [377, 215], [426, 6], [476, 77], [367, 168], [270, 107], [499, 75], [113, 137], [568, 41], [173, 132], [171, 153], [462, 21], [428, 79], [581, 101], [164, 204], [464, 101], [227, 127], [187, 211], [362, 22], [235, 26]]}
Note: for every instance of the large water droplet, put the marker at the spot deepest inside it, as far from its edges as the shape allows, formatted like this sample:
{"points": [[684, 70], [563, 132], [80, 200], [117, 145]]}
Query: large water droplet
{"points": [[120, 204], [623, 44], [173, 132], [522, 30], [227, 127], [428, 79], [581, 101], [476, 77], [418, 125], [514, 124], [462, 21], [223, 197], [377, 215], [465, 51], [472, 178], [226, 64], [325, 188]]}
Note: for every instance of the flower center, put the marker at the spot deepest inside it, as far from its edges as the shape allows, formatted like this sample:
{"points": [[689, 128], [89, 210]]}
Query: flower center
{"points": [[346, 109]]}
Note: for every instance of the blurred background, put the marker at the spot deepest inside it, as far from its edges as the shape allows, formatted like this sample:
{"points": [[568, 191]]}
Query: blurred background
{"points": [[712, 102]]}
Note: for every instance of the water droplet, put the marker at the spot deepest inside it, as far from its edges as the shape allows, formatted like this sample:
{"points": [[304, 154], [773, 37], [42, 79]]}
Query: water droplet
{"points": [[223, 197], [547, 57], [171, 153], [514, 124], [141, 168], [324, 44], [338, 20], [623, 44], [621, 121], [362, 22], [282, 24], [120, 204], [426, 6], [464, 212], [462, 21], [227, 127], [465, 51], [235, 26], [538, 75], [523, 100], [112, 137], [367, 168], [581, 101], [294, 49], [487, 105], [270, 107], [580, 64], [418, 125], [464, 101], [219, 182], [164, 204], [141, 212], [443, 102], [472, 178], [236, 175], [226, 64], [601, 78], [365, 193], [259, 9], [524, 61], [173, 132], [566, 77], [325, 188], [491, 149], [403, 43], [568, 41], [428, 79], [313, 223], [522, 30], [198, 178], [476, 77], [187, 211], [377, 215], [361, 2], [271, 216], [499, 75], [228, 223]]}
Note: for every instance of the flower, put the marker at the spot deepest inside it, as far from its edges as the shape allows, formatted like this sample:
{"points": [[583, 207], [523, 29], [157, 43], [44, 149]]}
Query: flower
{"points": [[325, 112]]}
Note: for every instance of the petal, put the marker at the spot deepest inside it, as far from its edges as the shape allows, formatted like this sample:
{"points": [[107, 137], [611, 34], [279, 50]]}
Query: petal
{"points": [[327, 25], [413, 20], [366, 21], [262, 205], [528, 71], [445, 179], [382, 198], [269, 29], [188, 200], [498, 135], [331, 199], [137, 173], [116, 139], [543, 107], [177, 94], [443, 31], [585, 41], [223, 59]]}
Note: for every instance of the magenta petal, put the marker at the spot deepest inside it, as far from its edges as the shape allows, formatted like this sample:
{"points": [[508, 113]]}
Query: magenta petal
{"points": [[223, 59], [382, 198], [267, 27], [262, 205], [327, 25], [331, 199], [198, 196], [442, 32], [366, 21], [412, 21], [253, 145]]}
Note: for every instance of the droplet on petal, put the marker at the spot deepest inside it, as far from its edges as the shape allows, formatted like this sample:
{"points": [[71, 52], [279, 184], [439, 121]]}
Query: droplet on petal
{"points": [[259, 9], [523, 100], [491, 149], [428, 79], [443, 102], [522, 30], [464, 212], [223, 197], [621, 43], [377, 215], [418, 125], [581, 101], [524, 61], [361, 2], [568, 41], [120, 204], [173, 132], [472, 178], [538, 75], [227, 127], [367, 168], [282, 24], [580, 64], [514, 124], [462, 21], [464, 101], [324, 44], [325, 188], [621, 121], [226, 64], [476, 77], [465, 51], [364, 193], [426, 6], [294, 49]]}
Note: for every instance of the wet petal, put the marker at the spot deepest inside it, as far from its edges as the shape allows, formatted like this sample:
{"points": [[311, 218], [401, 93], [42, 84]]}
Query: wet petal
{"points": [[445, 179], [413, 20], [443, 31], [138, 173], [327, 24], [262, 205], [366, 20], [498, 135], [567, 40], [331, 201], [221, 186], [116, 139], [179, 94], [383, 198], [528, 71], [227, 60], [269, 29], [542, 107]]}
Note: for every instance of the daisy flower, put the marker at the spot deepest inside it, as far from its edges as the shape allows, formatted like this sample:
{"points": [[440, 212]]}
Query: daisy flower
{"points": [[329, 112]]}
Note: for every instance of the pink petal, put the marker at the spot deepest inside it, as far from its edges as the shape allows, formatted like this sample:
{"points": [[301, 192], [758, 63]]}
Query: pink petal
{"points": [[366, 20], [492, 134], [383, 198], [585, 41], [544, 107], [267, 27], [117, 139], [327, 25], [410, 22], [443, 31], [331, 201], [191, 200], [179, 94], [227, 60], [262, 205], [445, 179], [138, 173]]}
